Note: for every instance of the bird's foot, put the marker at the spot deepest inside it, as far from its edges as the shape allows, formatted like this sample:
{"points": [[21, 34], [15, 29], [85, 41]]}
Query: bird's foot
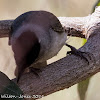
{"points": [[85, 55], [35, 71]]}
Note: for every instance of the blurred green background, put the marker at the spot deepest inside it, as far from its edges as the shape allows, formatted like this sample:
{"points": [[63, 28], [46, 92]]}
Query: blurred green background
{"points": [[10, 9]]}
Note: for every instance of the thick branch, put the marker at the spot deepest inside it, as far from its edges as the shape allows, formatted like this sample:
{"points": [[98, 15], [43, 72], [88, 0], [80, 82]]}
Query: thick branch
{"points": [[5, 27], [71, 69], [74, 25]]}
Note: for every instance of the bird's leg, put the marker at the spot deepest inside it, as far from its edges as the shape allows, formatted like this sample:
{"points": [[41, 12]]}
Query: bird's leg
{"points": [[35, 71], [36, 68], [80, 53]]}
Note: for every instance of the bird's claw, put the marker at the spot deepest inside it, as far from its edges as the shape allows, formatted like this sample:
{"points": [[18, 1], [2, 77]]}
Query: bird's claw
{"points": [[85, 55]]}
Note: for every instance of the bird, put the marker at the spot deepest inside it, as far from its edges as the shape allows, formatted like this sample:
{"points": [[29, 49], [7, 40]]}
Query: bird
{"points": [[35, 37]]}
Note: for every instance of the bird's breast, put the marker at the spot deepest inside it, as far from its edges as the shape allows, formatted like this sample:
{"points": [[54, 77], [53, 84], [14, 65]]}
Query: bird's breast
{"points": [[51, 45]]}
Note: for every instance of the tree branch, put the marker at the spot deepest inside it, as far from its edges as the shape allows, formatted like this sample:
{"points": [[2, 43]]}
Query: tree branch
{"points": [[74, 25], [71, 69], [5, 27]]}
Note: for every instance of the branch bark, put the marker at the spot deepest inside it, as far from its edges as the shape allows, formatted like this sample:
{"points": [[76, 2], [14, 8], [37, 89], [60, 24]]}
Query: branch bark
{"points": [[71, 69]]}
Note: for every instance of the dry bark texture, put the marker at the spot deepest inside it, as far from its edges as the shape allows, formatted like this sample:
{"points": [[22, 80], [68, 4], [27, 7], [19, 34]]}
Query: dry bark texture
{"points": [[71, 69]]}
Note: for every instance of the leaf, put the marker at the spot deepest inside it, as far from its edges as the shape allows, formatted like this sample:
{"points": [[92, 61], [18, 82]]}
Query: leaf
{"points": [[96, 4], [8, 89], [84, 41], [82, 88]]}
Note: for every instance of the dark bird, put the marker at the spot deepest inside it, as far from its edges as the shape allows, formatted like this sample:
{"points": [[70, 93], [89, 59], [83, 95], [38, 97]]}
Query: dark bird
{"points": [[35, 37]]}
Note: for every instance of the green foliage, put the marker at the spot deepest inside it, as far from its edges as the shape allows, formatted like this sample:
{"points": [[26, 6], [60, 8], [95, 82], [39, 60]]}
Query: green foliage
{"points": [[84, 41], [8, 89], [97, 4], [82, 88]]}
